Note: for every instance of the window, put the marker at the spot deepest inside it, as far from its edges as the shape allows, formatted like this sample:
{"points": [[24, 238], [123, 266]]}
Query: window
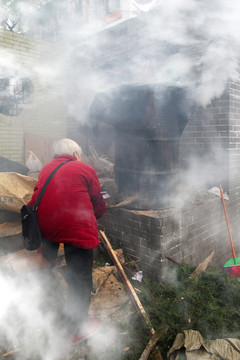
{"points": [[15, 93]]}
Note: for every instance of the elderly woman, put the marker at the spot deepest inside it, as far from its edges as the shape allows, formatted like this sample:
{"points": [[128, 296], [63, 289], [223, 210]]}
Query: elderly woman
{"points": [[67, 214]]}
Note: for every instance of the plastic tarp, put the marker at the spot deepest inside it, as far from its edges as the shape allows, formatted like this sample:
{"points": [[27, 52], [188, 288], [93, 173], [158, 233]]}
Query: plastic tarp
{"points": [[15, 190], [194, 347], [7, 165]]}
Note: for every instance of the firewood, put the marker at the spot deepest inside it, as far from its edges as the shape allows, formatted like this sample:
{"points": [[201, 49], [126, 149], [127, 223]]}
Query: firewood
{"points": [[150, 346], [202, 267]]}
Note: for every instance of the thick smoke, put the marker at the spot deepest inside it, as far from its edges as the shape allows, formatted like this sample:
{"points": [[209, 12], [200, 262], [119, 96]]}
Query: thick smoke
{"points": [[28, 323], [191, 43], [210, 30], [33, 322]]}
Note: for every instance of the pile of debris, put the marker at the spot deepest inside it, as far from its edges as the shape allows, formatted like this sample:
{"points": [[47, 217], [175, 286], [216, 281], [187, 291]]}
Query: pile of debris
{"points": [[194, 312]]}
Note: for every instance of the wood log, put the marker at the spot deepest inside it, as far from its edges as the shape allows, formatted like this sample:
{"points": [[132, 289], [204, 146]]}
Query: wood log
{"points": [[150, 346], [202, 267], [128, 286]]}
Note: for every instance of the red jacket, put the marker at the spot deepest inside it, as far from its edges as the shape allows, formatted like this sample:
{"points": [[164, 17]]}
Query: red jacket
{"points": [[71, 203]]}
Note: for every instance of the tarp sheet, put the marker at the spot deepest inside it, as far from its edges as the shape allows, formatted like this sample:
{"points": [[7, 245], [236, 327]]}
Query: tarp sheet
{"points": [[195, 347], [15, 190]]}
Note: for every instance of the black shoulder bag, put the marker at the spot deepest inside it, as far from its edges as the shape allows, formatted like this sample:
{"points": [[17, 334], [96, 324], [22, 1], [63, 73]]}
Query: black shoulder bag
{"points": [[31, 232]]}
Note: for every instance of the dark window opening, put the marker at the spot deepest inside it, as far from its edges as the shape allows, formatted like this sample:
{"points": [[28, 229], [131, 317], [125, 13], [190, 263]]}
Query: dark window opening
{"points": [[15, 94]]}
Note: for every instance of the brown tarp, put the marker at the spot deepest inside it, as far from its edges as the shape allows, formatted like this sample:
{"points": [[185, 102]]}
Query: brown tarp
{"points": [[15, 190], [195, 347]]}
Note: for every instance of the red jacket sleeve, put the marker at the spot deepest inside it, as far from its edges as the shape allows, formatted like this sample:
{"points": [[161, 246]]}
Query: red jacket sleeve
{"points": [[96, 197]]}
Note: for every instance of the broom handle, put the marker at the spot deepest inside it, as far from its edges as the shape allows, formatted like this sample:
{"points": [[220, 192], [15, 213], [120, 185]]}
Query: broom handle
{"points": [[226, 215]]}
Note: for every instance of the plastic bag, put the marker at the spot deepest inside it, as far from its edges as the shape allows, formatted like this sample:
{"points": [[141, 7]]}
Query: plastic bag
{"points": [[138, 276], [33, 163]]}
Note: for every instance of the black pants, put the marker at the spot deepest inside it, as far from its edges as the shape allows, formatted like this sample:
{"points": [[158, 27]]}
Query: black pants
{"points": [[79, 278]]}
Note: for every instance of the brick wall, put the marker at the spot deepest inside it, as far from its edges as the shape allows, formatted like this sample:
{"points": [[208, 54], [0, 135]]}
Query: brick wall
{"points": [[205, 143], [212, 140], [187, 235], [234, 155], [46, 115]]}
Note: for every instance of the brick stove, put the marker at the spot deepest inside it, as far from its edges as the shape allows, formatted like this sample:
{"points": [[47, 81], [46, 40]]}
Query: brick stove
{"points": [[187, 234], [148, 122]]}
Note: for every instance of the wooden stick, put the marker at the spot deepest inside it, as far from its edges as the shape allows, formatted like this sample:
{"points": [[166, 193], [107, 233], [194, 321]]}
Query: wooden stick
{"points": [[150, 346], [174, 261], [126, 282], [128, 286], [228, 226], [12, 352]]}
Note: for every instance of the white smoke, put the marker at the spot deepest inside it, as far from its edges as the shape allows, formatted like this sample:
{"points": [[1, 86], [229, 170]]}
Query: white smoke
{"points": [[191, 42], [27, 321], [33, 323], [204, 35]]}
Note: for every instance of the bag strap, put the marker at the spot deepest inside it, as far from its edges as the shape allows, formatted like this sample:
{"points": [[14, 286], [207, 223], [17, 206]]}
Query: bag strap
{"points": [[39, 198]]}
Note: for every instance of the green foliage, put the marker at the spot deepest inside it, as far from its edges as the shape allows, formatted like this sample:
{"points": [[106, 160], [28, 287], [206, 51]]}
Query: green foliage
{"points": [[210, 306], [101, 259]]}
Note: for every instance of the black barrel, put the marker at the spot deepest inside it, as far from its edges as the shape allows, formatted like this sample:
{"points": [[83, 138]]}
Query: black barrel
{"points": [[148, 121], [146, 168]]}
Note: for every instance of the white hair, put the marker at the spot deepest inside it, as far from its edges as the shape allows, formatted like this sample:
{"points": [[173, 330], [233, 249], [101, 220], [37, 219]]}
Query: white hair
{"points": [[66, 146]]}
